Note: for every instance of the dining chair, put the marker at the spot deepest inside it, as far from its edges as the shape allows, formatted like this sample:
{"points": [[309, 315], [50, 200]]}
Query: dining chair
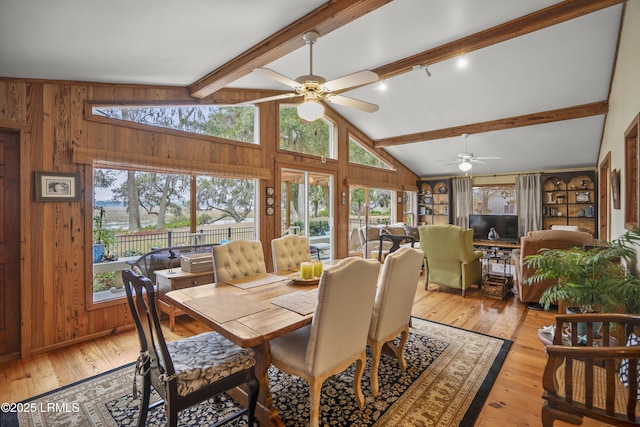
{"points": [[237, 259], [289, 251], [337, 335], [392, 308], [187, 371]]}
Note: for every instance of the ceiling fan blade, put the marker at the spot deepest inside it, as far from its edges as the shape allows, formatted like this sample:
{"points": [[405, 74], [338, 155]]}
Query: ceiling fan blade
{"points": [[356, 79], [273, 98], [476, 160], [452, 163], [352, 103], [488, 158], [274, 75]]}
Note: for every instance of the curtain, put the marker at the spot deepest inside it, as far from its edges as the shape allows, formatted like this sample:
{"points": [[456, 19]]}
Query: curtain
{"points": [[529, 203], [463, 192]]}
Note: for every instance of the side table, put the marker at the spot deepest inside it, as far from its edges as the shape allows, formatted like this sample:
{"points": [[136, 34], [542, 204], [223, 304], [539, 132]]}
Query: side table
{"points": [[173, 279], [496, 284]]}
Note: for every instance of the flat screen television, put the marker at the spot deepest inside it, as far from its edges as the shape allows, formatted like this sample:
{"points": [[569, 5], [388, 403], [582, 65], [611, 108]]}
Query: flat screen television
{"points": [[505, 225]]}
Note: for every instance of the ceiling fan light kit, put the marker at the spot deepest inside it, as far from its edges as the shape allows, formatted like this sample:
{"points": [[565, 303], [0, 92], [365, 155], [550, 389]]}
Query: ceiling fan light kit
{"points": [[465, 159], [315, 88], [465, 166]]}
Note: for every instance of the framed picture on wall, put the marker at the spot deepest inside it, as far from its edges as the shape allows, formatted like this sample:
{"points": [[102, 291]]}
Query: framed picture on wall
{"points": [[57, 187], [615, 188]]}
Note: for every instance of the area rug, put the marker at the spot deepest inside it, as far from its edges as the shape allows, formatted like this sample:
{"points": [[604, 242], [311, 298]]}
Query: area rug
{"points": [[450, 372]]}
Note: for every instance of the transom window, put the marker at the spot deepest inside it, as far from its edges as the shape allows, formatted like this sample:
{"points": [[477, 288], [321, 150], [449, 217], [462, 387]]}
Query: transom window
{"points": [[315, 138], [361, 155]]}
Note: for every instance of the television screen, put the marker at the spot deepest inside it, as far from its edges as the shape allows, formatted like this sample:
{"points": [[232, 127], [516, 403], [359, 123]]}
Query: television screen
{"points": [[505, 225]]}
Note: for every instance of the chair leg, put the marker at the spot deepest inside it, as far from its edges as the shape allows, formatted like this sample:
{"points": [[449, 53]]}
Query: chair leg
{"points": [[357, 381], [253, 389], [144, 402], [315, 388], [172, 416], [404, 336], [376, 351]]}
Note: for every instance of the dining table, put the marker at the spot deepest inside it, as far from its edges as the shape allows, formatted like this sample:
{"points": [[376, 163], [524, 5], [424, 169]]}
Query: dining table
{"points": [[251, 312]]}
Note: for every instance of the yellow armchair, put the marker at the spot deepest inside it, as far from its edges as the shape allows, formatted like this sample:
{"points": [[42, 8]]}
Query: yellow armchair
{"points": [[449, 257]]}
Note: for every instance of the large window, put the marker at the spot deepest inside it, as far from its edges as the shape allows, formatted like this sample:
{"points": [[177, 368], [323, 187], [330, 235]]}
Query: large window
{"points": [[370, 206], [135, 212], [231, 122], [360, 155], [315, 138], [494, 200]]}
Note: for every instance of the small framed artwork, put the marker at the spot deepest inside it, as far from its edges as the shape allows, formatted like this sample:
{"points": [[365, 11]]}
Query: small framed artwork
{"points": [[57, 187], [582, 197], [428, 200], [615, 188]]}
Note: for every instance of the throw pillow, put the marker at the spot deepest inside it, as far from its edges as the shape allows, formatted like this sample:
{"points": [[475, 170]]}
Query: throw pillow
{"points": [[623, 371]]}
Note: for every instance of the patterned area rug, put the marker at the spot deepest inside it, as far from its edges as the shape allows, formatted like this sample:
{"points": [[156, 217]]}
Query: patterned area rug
{"points": [[449, 374]]}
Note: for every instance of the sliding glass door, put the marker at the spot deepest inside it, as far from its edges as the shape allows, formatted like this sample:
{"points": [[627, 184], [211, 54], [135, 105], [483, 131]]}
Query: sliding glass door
{"points": [[307, 208]]}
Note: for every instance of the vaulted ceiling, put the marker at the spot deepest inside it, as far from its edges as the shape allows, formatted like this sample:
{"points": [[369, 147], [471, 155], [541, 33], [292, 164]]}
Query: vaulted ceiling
{"points": [[534, 91]]}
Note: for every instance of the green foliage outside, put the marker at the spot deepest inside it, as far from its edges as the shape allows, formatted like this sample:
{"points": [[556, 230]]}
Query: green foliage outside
{"points": [[359, 154], [104, 281], [304, 137]]}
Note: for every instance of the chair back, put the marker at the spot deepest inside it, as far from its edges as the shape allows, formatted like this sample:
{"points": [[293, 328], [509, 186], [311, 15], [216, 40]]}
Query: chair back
{"points": [[396, 292], [289, 251], [142, 305], [237, 259], [340, 324], [447, 243]]}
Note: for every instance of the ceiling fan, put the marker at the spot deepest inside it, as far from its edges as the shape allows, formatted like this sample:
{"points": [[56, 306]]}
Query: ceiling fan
{"points": [[465, 159], [314, 88]]}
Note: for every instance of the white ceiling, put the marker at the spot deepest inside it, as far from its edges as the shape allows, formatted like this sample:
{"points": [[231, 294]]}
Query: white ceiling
{"points": [[176, 43]]}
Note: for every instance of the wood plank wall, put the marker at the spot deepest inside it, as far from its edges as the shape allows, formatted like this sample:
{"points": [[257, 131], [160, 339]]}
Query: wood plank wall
{"points": [[56, 249]]}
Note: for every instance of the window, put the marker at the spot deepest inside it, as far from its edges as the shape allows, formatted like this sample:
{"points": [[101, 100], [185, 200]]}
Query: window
{"points": [[231, 122], [359, 154], [632, 174], [494, 200], [370, 206], [315, 138], [137, 211]]}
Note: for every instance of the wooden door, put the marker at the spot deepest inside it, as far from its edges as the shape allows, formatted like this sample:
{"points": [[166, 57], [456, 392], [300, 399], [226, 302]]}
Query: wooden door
{"points": [[9, 244]]}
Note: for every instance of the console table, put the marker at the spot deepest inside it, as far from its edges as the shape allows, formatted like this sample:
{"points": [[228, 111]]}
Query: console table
{"points": [[172, 279]]}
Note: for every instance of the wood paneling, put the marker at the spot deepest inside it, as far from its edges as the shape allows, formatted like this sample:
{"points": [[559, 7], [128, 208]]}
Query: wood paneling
{"points": [[55, 135]]}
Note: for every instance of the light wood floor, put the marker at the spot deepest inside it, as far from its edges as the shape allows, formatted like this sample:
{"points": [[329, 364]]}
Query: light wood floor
{"points": [[514, 400]]}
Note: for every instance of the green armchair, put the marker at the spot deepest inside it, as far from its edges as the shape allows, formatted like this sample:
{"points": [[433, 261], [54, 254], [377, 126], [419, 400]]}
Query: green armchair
{"points": [[449, 257]]}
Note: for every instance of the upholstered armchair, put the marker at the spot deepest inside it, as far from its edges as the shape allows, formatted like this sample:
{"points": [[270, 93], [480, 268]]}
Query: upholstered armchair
{"points": [[337, 335], [370, 240], [237, 259], [392, 307], [449, 257], [531, 244], [289, 251]]}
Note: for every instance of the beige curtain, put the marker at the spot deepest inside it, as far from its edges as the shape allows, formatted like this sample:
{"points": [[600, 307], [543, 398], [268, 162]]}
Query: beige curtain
{"points": [[529, 203], [463, 193]]}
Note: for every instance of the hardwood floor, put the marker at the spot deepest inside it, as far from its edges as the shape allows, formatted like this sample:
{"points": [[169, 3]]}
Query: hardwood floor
{"points": [[513, 401]]}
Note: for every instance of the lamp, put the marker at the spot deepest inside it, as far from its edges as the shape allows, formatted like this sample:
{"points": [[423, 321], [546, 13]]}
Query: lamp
{"points": [[465, 166], [310, 109]]}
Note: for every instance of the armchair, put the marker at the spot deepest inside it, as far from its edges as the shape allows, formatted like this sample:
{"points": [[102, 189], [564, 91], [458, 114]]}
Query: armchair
{"points": [[533, 242], [587, 378], [449, 257]]}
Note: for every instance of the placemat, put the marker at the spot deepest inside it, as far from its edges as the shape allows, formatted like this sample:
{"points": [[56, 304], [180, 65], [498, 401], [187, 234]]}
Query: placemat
{"points": [[255, 281], [302, 302], [223, 308]]}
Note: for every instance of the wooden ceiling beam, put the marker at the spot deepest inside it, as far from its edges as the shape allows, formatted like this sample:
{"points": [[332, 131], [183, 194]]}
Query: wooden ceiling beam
{"points": [[555, 14], [324, 19], [579, 111]]}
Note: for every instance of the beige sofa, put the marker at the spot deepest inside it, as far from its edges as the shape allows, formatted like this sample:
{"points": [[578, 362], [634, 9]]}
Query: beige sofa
{"points": [[533, 242], [369, 237]]}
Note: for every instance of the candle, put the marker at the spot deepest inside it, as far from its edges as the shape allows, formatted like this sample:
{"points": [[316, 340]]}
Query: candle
{"points": [[317, 268], [306, 270]]}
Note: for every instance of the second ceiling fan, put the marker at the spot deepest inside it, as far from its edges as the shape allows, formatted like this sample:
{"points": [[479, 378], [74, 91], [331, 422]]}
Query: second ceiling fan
{"points": [[314, 88]]}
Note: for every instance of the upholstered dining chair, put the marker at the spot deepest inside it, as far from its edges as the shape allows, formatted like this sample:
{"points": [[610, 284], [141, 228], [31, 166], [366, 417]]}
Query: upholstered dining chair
{"points": [[449, 257], [289, 251], [237, 259], [187, 371], [337, 335], [392, 308]]}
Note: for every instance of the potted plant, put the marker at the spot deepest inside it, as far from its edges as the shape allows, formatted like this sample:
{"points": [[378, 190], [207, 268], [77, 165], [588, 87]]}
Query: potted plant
{"points": [[103, 238], [589, 280]]}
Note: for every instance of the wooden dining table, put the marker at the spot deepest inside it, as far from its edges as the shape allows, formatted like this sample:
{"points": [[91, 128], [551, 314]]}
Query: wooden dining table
{"points": [[251, 312]]}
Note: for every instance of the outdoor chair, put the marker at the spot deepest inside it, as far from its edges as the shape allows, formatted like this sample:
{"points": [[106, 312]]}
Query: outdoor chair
{"points": [[346, 293], [187, 371], [392, 308]]}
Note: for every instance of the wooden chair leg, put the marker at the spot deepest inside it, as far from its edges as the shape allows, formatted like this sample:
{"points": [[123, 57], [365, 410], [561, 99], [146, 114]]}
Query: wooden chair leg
{"points": [[357, 381], [144, 402], [315, 388], [404, 337], [376, 352], [253, 389]]}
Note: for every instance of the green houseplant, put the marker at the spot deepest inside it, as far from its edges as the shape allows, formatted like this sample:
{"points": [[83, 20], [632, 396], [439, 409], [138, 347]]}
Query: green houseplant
{"points": [[103, 238], [592, 280]]}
